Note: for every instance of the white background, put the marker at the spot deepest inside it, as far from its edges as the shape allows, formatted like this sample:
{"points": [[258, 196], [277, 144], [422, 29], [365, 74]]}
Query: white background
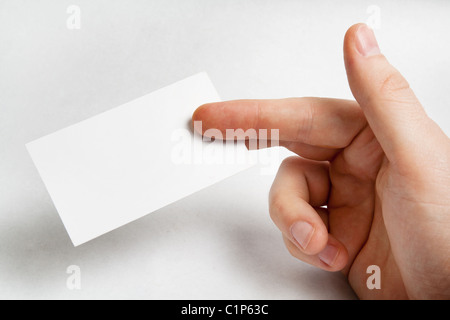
{"points": [[220, 242]]}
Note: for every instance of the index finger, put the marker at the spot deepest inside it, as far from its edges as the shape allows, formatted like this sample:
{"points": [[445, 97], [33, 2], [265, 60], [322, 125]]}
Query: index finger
{"points": [[324, 122]]}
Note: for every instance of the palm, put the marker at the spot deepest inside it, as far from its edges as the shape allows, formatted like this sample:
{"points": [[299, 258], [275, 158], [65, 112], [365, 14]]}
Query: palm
{"points": [[355, 216]]}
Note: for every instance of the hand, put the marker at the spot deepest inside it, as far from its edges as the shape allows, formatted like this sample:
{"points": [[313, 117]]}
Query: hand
{"points": [[381, 167]]}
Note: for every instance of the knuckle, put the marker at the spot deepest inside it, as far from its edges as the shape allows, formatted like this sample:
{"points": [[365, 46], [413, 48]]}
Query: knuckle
{"points": [[393, 85], [290, 161], [298, 165], [305, 127], [276, 205]]}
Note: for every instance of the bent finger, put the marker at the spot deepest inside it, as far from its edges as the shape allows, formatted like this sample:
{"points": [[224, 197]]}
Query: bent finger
{"points": [[301, 185]]}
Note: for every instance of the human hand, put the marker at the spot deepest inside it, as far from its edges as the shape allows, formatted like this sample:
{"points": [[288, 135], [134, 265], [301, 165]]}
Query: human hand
{"points": [[380, 165]]}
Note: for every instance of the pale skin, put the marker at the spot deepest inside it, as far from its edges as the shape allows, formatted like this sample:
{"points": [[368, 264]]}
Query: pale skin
{"points": [[379, 164]]}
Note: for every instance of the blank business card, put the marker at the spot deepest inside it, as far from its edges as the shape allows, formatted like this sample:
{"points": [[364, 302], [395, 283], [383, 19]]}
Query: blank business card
{"points": [[125, 163]]}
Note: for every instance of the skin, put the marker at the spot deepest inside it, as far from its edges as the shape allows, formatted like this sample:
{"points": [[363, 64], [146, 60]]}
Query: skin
{"points": [[379, 164]]}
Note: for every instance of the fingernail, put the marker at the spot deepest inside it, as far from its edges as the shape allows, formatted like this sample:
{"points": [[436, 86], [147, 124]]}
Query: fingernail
{"points": [[366, 44], [329, 255], [302, 232]]}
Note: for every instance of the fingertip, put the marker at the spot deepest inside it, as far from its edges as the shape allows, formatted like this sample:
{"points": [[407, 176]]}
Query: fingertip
{"points": [[201, 114], [334, 256], [350, 38], [350, 46], [359, 42], [351, 32], [311, 238]]}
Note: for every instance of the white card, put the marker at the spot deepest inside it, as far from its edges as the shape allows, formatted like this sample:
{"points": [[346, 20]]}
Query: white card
{"points": [[120, 165]]}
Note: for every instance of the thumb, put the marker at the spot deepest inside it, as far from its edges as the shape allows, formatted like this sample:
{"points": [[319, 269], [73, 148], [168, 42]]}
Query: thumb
{"points": [[390, 106]]}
